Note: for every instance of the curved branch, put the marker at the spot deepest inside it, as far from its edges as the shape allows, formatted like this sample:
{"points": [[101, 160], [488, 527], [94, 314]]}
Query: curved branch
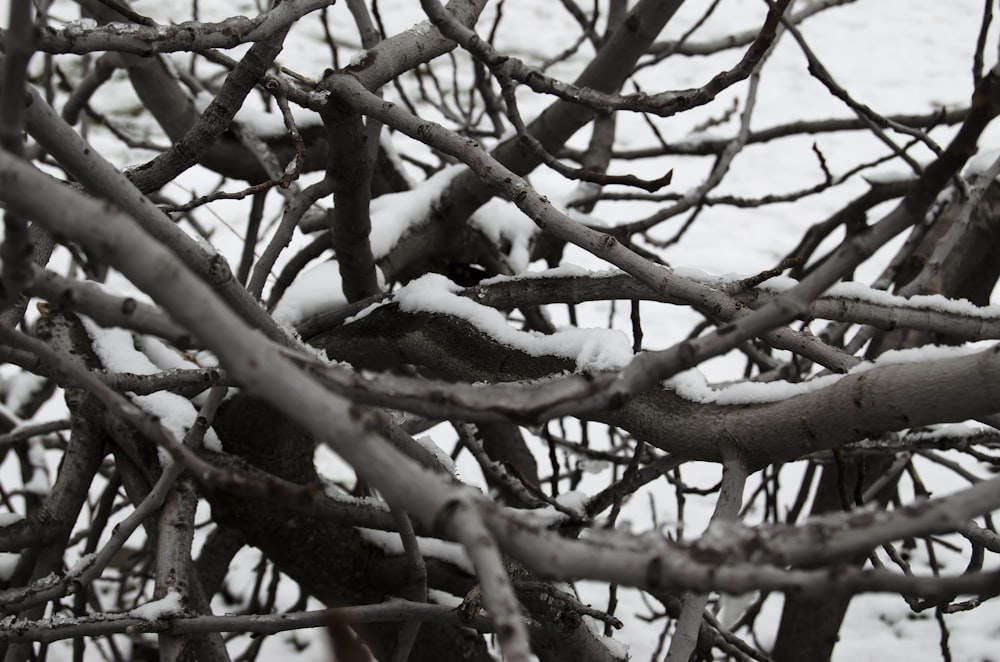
{"points": [[147, 40]]}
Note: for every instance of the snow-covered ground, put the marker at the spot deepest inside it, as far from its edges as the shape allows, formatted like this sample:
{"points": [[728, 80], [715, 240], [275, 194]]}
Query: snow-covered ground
{"points": [[897, 56]]}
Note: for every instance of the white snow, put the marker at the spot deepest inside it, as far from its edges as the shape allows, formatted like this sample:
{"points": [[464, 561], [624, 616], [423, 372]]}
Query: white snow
{"points": [[19, 389], [617, 648], [336, 493], [592, 349], [564, 270], [80, 27], [7, 413], [269, 124], [365, 312], [385, 141], [39, 483], [504, 224], [574, 501], [261, 122], [358, 58], [116, 349], [120, 28], [693, 385], [981, 162], [395, 214], [925, 354], [81, 565], [698, 275], [857, 291], [924, 65], [316, 290], [162, 355], [595, 467], [947, 431], [172, 604], [443, 598], [391, 543], [8, 563], [439, 454], [421, 28], [7, 519]]}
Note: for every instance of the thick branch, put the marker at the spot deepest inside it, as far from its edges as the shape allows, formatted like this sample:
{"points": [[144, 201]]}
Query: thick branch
{"points": [[146, 40]]}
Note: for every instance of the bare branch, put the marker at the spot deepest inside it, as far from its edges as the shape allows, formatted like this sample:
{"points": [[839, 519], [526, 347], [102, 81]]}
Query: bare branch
{"points": [[150, 38]]}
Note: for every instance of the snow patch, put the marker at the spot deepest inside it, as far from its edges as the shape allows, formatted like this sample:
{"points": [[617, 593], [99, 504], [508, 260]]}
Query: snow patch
{"points": [[504, 224], [692, 384], [358, 58], [365, 312], [82, 564], [20, 389], [440, 597], [888, 176], [39, 482], [981, 162], [169, 605], [421, 29], [8, 562], [162, 355], [574, 501], [856, 291], [564, 270], [80, 27], [6, 519], [272, 125], [592, 349], [443, 458], [116, 349], [395, 214], [390, 543], [317, 290]]}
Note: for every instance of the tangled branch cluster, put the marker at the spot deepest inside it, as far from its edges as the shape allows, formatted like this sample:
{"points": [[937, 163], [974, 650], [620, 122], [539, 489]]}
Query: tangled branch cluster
{"points": [[402, 296]]}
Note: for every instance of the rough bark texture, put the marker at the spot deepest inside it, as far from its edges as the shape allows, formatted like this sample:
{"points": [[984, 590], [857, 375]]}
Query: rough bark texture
{"points": [[809, 626]]}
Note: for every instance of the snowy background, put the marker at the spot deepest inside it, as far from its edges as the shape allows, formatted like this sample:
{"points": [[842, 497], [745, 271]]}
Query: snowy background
{"points": [[897, 56]]}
